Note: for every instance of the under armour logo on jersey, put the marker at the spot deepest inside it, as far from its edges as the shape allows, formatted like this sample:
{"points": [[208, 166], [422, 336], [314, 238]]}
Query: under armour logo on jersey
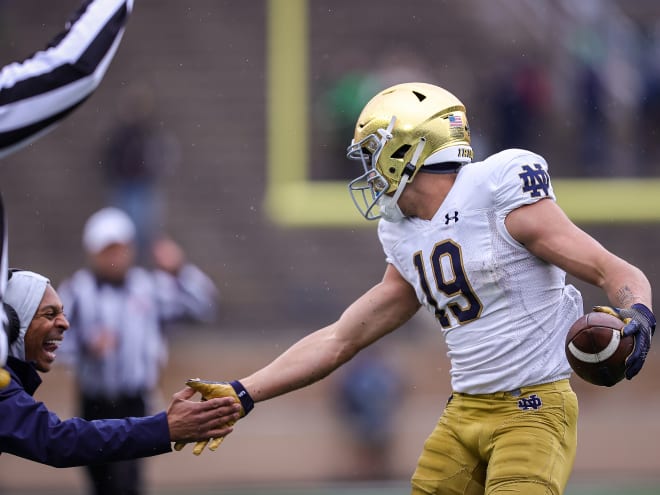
{"points": [[448, 218], [535, 180], [532, 402]]}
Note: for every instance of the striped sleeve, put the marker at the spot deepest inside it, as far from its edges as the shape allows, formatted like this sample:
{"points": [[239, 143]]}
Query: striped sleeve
{"points": [[4, 345], [37, 93]]}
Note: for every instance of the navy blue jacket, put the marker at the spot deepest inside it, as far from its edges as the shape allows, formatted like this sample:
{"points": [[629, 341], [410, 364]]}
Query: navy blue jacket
{"points": [[29, 430]]}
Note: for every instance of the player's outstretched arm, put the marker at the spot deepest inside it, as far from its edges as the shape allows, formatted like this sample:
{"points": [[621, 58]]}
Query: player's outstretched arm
{"points": [[379, 311]]}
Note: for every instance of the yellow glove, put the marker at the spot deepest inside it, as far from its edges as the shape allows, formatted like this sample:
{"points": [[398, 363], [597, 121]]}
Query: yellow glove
{"points": [[5, 378], [616, 312], [211, 390]]}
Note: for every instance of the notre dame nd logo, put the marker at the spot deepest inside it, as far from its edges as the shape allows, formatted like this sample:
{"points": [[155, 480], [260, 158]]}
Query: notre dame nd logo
{"points": [[531, 402], [535, 180]]}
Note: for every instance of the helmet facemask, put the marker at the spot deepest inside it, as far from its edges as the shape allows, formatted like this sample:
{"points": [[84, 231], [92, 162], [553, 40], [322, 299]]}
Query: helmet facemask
{"points": [[369, 187]]}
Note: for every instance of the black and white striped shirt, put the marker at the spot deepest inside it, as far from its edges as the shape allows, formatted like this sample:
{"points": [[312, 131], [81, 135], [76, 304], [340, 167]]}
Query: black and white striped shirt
{"points": [[37, 93]]}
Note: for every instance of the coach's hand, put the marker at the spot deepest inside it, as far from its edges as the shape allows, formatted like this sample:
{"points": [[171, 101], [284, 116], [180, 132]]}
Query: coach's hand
{"points": [[192, 421], [212, 390], [640, 323]]}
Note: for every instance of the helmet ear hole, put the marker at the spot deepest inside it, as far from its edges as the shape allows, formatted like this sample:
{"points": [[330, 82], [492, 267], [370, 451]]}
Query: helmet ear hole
{"points": [[400, 152]]}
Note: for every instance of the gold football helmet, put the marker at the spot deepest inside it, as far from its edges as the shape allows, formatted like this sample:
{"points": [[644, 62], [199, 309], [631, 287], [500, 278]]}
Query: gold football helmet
{"points": [[404, 128]]}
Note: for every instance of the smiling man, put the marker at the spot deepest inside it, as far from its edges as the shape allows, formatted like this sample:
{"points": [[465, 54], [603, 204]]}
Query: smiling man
{"points": [[29, 430], [46, 330]]}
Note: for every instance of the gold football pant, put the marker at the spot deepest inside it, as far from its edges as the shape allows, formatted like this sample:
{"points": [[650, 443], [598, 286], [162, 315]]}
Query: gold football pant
{"points": [[520, 442]]}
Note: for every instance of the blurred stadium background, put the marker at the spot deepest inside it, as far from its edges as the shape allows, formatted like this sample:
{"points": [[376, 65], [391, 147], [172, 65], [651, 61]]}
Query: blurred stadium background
{"points": [[257, 95]]}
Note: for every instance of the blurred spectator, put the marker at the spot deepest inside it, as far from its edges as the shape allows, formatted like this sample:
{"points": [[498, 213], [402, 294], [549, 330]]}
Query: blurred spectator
{"points": [[138, 153], [590, 99], [365, 394], [649, 101], [117, 310], [342, 103], [588, 47], [521, 98]]}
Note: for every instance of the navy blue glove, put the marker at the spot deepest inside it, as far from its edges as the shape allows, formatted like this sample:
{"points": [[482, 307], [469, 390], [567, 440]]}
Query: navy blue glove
{"points": [[640, 323]]}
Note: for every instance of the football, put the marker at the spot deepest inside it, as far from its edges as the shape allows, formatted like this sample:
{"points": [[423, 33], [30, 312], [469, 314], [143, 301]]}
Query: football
{"points": [[596, 350]]}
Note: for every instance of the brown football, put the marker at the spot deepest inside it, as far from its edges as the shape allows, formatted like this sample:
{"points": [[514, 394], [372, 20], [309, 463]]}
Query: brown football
{"points": [[596, 350]]}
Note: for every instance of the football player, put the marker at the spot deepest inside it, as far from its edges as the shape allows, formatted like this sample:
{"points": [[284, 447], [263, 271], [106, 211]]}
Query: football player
{"points": [[39, 92], [485, 248]]}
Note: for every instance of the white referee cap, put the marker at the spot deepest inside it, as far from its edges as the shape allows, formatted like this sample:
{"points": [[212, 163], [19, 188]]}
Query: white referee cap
{"points": [[105, 227]]}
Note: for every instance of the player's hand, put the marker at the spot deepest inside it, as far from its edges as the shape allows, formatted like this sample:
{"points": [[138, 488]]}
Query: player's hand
{"points": [[212, 390], [640, 323]]}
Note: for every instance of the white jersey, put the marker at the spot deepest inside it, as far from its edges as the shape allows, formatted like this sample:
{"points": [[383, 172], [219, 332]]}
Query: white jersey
{"points": [[504, 313]]}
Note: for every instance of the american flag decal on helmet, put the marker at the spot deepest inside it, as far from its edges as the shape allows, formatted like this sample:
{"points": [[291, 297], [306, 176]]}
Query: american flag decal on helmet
{"points": [[455, 121]]}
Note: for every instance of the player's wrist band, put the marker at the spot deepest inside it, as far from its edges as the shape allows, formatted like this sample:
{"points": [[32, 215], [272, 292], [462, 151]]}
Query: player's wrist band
{"points": [[243, 396], [646, 313]]}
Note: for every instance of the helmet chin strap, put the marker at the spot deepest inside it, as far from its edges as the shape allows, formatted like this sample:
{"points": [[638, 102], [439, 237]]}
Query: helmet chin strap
{"points": [[389, 207]]}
